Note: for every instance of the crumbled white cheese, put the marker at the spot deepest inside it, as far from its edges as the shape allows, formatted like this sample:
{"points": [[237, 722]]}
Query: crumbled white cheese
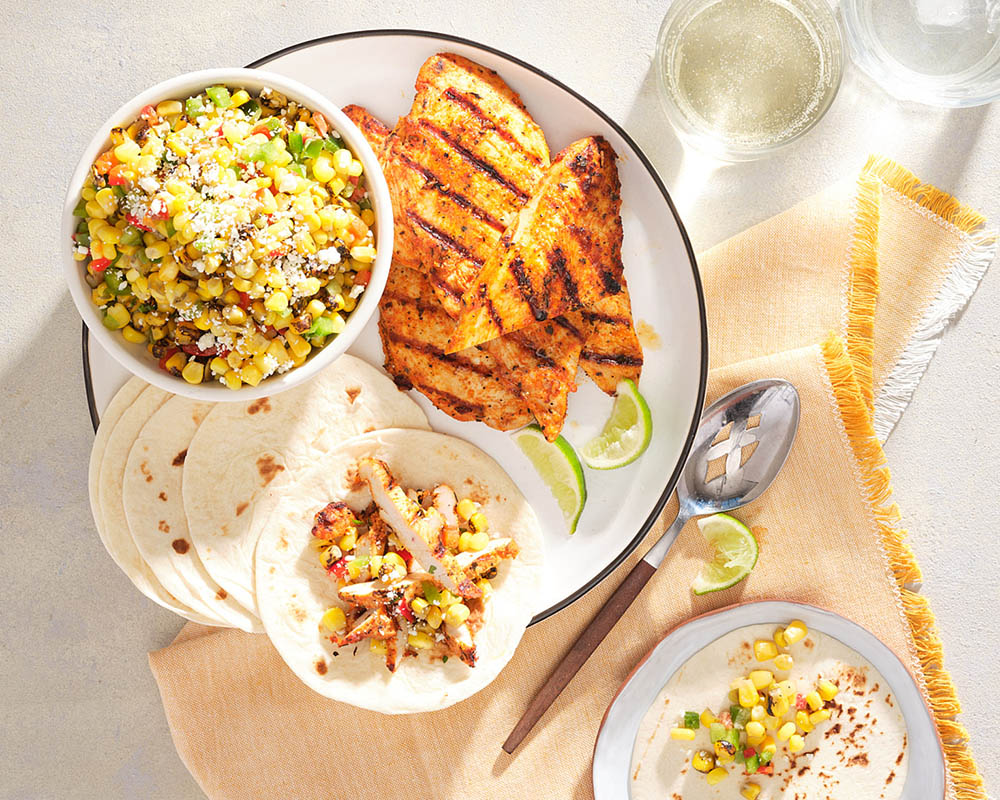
{"points": [[149, 184], [206, 341], [329, 255], [356, 290]]}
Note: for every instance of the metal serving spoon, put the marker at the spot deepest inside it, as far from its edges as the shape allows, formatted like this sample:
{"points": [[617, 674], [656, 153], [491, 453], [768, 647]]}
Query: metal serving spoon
{"points": [[739, 448]]}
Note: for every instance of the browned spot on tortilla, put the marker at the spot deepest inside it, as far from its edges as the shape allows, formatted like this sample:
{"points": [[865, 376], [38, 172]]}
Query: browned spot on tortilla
{"points": [[241, 508], [162, 496], [144, 468], [299, 613], [858, 760], [353, 392], [808, 644], [354, 479], [282, 543], [268, 469], [180, 545], [759, 532], [369, 429], [149, 479], [179, 458], [163, 526], [261, 404], [222, 594], [321, 667]]}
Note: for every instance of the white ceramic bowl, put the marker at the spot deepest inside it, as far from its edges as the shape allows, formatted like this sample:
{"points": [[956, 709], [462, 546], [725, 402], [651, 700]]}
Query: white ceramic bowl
{"points": [[135, 357]]}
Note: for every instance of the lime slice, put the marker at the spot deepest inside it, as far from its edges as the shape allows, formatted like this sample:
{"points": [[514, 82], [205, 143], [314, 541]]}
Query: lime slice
{"points": [[735, 553], [558, 466], [626, 434]]}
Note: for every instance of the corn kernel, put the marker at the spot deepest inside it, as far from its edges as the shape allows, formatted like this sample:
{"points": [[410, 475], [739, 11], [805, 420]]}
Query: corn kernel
{"points": [[785, 731], [771, 723], [169, 107], [479, 521], [435, 617], [802, 720], [827, 689], [322, 167], [707, 718], [251, 374], [750, 791], [779, 638], [419, 606], [784, 662], [764, 650], [716, 775], [193, 372], [95, 210], [747, 693], [761, 678], [364, 254], [795, 743], [457, 614], [757, 713], [342, 160], [819, 716], [127, 152], [277, 301], [795, 631], [109, 234], [787, 688], [176, 362], [232, 380], [755, 733], [378, 646], [239, 97], [218, 366], [348, 541], [368, 217], [334, 619], [681, 734], [132, 335], [814, 701]]}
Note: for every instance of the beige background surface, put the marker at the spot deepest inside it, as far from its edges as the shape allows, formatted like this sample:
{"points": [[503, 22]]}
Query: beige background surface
{"points": [[81, 716]]}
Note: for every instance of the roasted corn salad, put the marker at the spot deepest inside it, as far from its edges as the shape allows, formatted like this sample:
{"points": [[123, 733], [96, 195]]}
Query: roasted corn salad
{"points": [[766, 711], [231, 233], [413, 571]]}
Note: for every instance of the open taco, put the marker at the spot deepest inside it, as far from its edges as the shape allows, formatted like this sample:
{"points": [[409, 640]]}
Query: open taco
{"points": [[400, 574]]}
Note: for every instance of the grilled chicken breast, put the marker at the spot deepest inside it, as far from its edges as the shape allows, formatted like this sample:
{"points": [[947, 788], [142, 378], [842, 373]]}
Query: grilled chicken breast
{"points": [[562, 252], [414, 328], [612, 351], [417, 528]]}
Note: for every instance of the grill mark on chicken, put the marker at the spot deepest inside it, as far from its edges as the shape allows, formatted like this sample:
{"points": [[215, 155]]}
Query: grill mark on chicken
{"points": [[429, 350], [441, 237], [611, 358], [465, 101], [475, 161], [564, 323], [527, 292], [557, 265], [606, 319], [440, 186]]}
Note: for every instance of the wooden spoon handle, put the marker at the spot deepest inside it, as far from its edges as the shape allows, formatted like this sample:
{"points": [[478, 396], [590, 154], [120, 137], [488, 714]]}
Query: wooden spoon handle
{"points": [[578, 654]]}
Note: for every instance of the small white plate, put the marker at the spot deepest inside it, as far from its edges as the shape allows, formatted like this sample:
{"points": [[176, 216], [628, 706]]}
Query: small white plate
{"points": [[925, 778], [377, 69]]}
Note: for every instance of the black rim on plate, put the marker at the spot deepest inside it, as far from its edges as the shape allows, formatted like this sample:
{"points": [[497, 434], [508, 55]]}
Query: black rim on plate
{"points": [[703, 377]]}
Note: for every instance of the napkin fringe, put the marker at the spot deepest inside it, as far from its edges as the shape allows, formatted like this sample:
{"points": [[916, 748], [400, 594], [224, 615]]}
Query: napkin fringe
{"points": [[863, 288], [939, 689], [962, 277]]}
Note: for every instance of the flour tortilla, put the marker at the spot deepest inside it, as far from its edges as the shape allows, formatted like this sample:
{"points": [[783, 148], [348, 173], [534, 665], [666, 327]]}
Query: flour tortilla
{"points": [[861, 758], [245, 454], [107, 469], [293, 590], [155, 511]]}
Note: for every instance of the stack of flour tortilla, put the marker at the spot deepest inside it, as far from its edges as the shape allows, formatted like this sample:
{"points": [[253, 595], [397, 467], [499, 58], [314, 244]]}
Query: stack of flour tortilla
{"points": [[183, 491]]}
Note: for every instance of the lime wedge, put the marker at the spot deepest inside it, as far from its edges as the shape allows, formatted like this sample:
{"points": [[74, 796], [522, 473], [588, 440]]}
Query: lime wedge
{"points": [[735, 553], [559, 468], [626, 434]]}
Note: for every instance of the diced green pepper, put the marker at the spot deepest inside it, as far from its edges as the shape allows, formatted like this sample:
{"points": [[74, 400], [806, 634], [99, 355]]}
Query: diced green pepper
{"points": [[740, 716], [364, 204], [716, 732], [171, 230], [431, 593], [251, 108], [692, 720], [116, 283], [322, 326], [332, 144], [220, 96], [81, 209], [272, 124], [313, 148], [298, 169], [194, 107], [83, 239], [739, 758], [131, 236], [295, 143], [765, 758], [752, 764]]}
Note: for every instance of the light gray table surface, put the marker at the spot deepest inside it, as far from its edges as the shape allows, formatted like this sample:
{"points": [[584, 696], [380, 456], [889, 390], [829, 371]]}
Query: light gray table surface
{"points": [[80, 716]]}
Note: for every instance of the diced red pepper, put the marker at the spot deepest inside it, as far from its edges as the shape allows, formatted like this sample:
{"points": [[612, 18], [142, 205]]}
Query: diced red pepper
{"points": [[214, 350], [726, 719], [100, 264], [406, 611], [105, 161], [362, 278], [138, 223], [277, 252], [749, 752], [149, 114], [244, 301], [166, 357], [766, 769], [338, 568], [353, 180], [800, 702], [262, 128], [163, 213], [116, 180], [320, 123], [404, 554]]}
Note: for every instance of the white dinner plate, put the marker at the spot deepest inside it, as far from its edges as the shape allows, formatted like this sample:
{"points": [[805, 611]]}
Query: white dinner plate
{"points": [[662, 276], [925, 778]]}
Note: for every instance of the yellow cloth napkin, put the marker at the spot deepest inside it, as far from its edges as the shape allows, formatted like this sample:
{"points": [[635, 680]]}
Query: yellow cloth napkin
{"points": [[808, 279]]}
